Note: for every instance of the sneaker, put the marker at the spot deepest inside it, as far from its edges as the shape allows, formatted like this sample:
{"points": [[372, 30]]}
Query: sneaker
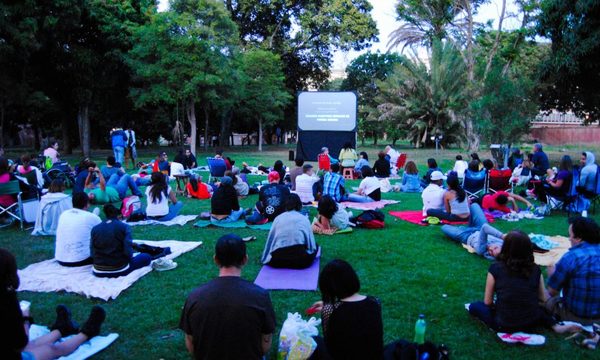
{"points": [[163, 264], [96, 211], [92, 326], [523, 338], [64, 324]]}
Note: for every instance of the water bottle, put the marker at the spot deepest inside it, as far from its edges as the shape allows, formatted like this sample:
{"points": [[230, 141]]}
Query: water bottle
{"points": [[420, 327]]}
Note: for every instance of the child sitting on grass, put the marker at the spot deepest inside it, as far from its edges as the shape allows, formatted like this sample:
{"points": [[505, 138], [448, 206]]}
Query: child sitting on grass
{"points": [[331, 217]]}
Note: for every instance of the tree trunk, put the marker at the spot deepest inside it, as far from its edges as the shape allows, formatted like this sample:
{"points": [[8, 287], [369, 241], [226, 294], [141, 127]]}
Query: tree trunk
{"points": [[375, 138], [472, 138], [260, 134], [225, 128], [83, 121], [206, 128], [191, 117], [66, 139]]}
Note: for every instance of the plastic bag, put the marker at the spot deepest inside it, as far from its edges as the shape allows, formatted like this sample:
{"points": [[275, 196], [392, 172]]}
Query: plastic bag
{"points": [[295, 339]]}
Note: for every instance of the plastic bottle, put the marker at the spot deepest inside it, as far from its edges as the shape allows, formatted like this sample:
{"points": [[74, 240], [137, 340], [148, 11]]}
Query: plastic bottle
{"points": [[420, 327]]}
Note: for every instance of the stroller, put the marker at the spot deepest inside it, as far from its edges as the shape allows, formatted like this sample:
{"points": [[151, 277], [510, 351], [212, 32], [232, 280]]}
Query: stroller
{"points": [[60, 170]]}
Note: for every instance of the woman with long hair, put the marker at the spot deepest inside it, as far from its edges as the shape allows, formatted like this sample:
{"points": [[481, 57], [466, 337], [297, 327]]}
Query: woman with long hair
{"points": [[431, 167], [197, 189], [158, 194], [330, 218], [347, 156], [410, 179], [456, 202], [518, 285], [558, 185], [280, 168]]}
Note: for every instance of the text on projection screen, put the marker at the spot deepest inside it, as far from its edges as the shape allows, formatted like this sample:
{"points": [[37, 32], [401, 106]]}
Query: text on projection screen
{"points": [[327, 111]]}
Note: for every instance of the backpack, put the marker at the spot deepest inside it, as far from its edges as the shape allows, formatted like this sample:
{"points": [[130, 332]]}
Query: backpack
{"points": [[130, 205], [370, 219]]}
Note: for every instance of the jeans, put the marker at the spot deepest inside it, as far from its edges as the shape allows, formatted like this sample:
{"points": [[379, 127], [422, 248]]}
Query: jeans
{"points": [[174, 210], [359, 198], [119, 152], [255, 218], [142, 181], [122, 183], [487, 315], [484, 313], [233, 217], [462, 233], [443, 215], [136, 262]]}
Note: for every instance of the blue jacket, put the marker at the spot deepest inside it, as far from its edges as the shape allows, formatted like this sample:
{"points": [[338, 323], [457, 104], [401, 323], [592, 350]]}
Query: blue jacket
{"points": [[118, 138]]}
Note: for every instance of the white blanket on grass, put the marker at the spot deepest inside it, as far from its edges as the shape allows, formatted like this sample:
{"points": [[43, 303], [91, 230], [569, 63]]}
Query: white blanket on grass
{"points": [[85, 350], [178, 220], [49, 276]]}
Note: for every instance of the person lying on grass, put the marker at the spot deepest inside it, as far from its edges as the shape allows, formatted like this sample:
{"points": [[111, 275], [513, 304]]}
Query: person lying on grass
{"points": [[500, 201], [518, 285], [331, 217], [16, 321]]}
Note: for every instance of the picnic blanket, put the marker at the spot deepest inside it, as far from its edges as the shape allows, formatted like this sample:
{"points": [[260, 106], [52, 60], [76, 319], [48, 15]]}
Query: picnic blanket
{"points": [[548, 258], [416, 217], [177, 220], [271, 278], [374, 205], [231, 225], [49, 276], [85, 350]]}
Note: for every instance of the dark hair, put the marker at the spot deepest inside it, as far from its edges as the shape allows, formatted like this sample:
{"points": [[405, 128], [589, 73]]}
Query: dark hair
{"points": [[219, 152], [347, 145], [381, 155], [566, 163], [9, 279], [585, 229], [194, 182], [25, 160], [3, 165], [293, 203], [475, 156], [366, 171], [278, 166], [233, 177], [502, 199], [58, 185], [337, 281], [306, 167], [335, 168], [517, 253], [431, 163], [111, 211], [111, 160], [411, 168], [230, 250], [458, 157], [327, 206], [364, 155], [474, 165], [299, 162], [488, 164], [80, 200], [158, 181], [454, 184]]}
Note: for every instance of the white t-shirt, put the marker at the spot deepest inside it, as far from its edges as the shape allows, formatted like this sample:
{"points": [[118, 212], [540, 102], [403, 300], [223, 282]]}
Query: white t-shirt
{"points": [[73, 235], [460, 166], [160, 208], [433, 198], [304, 187], [369, 184], [393, 154]]}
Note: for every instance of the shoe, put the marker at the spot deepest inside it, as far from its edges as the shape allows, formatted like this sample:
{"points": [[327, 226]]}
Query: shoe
{"points": [[523, 338], [162, 264], [92, 326], [249, 238], [64, 324]]}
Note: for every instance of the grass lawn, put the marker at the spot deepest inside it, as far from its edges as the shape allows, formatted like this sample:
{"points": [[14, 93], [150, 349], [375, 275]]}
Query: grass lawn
{"points": [[412, 269]]}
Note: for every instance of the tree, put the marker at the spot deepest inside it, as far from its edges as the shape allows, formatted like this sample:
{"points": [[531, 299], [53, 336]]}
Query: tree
{"points": [[572, 70], [180, 55], [265, 92]]}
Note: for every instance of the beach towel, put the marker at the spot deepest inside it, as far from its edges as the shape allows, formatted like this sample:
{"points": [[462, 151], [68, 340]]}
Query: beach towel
{"points": [[271, 278], [233, 225], [416, 217], [49, 276], [368, 206], [178, 220], [85, 350]]}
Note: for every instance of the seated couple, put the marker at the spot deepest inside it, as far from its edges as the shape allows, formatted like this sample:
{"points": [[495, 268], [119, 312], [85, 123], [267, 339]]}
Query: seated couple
{"points": [[451, 204], [369, 189]]}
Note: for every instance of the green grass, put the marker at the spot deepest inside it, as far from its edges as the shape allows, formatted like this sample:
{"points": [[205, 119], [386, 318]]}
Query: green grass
{"points": [[408, 267]]}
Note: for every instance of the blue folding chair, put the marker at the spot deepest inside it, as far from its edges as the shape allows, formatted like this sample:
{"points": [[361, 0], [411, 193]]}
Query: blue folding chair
{"points": [[216, 167], [474, 183]]}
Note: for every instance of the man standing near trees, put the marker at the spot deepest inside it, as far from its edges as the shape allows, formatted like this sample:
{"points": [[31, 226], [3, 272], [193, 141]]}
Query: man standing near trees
{"points": [[119, 141]]}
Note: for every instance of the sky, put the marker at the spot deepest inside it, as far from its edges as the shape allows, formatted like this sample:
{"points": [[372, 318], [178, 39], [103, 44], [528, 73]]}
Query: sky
{"points": [[385, 15]]}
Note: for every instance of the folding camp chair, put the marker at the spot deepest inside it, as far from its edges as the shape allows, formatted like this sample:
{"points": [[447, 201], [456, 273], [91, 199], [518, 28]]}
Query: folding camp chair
{"points": [[564, 202], [596, 195], [216, 167], [474, 183], [499, 180], [24, 211]]}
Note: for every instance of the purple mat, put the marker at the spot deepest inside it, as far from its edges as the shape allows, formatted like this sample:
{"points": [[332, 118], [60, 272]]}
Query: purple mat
{"points": [[288, 279]]}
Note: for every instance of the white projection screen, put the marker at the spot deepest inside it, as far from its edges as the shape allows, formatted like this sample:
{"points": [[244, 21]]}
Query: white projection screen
{"points": [[326, 111]]}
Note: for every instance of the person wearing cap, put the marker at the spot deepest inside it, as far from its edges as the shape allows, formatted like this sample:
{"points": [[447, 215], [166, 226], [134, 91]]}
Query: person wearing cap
{"points": [[456, 202], [433, 194], [305, 184], [271, 200], [224, 204], [228, 317]]}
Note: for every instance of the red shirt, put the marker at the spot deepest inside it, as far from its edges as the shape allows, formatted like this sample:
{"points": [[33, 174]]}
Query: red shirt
{"points": [[490, 202], [201, 193]]}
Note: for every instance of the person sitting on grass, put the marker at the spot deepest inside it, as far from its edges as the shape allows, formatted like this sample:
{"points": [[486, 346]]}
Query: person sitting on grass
{"points": [[290, 243], [431, 167], [224, 204], [333, 184], [111, 168], [410, 179], [158, 194], [499, 201], [517, 284], [228, 317], [112, 191], [381, 168], [111, 245], [363, 160], [456, 202], [189, 160], [295, 172], [51, 207], [197, 189], [391, 156], [305, 184], [331, 217], [271, 200], [241, 188], [348, 317], [369, 189], [73, 233], [16, 322], [280, 169], [460, 166], [433, 194], [574, 282]]}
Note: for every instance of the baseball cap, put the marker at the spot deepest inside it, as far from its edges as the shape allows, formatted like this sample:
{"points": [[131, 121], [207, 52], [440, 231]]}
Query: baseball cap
{"points": [[437, 175], [273, 175]]}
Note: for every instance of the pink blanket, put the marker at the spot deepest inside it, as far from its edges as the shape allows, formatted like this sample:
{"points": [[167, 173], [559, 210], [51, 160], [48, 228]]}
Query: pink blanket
{"points": [[416, 217], [368, 206]]}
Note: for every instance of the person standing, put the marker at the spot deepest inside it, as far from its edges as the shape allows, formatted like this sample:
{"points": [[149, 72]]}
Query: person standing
{"points": [[131, 147], [228, 317], [119, 142]]}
